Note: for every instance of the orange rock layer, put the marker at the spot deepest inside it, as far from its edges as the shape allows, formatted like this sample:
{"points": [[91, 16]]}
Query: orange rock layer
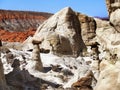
{"points": [[16, 26], [16, 36]]}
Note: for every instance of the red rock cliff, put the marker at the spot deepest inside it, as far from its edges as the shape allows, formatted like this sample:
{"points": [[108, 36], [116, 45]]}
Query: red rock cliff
{"points": [[16, 26]]}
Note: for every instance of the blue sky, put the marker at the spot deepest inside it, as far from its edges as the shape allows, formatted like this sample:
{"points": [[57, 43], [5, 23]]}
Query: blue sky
{"points": [[89, 7]]}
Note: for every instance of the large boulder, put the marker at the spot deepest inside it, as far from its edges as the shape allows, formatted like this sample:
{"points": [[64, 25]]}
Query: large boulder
{"points": [[61, 33], [113, 7], [84, 83], [108, 38], [109, 76], [115, 19]]}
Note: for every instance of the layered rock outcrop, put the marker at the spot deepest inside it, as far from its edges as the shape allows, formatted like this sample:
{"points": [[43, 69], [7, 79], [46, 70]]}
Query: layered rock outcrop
{"points": [[21, 20], [16, 26], [88, 28], [16, 36], [84, 83], [61, 33]]}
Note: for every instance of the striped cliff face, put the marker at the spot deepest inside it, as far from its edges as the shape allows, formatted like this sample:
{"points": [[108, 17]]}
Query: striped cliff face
{"points": [[15, 26]]}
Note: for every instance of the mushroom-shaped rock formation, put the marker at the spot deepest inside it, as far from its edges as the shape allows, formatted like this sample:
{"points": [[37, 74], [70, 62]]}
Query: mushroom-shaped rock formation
{"points": [[36, 56]]}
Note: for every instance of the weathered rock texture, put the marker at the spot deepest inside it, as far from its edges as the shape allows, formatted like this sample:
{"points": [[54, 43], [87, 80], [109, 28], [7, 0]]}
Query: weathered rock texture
{"points": [[108, 37], [14, 23], [88, 28], [61, 33], [115, 19], [112, 5], [84, 83], [107, 34], [109, 76], [114, 13], [3, 85]]}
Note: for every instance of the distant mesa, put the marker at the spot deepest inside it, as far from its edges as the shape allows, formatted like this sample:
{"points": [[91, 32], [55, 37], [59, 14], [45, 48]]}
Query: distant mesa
{"points": [[16, 26]]}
